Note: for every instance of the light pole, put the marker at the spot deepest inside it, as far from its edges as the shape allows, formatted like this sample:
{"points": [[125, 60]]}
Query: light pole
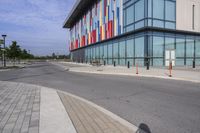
{"points": [[4, 49]]}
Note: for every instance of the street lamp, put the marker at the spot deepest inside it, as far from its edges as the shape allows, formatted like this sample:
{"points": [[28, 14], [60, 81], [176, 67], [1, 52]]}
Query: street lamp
{"points": [[4, 48]]}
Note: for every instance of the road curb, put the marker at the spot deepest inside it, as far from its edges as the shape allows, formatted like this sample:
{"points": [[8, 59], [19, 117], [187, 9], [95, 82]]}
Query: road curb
{"points": [[135, 75]]}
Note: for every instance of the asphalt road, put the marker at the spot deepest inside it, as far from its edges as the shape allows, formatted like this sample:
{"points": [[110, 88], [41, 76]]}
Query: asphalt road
{"points": [[165, 106]]}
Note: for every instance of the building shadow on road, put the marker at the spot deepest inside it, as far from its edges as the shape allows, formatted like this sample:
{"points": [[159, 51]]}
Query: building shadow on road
{"points": [[143, 128]]}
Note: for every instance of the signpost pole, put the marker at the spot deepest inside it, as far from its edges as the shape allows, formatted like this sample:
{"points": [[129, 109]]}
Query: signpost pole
{"points": [[4, 48]]}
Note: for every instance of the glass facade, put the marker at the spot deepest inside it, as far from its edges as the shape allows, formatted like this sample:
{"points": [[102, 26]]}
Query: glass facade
{"points": [[134, 50], [138, 46], [156, 13]]}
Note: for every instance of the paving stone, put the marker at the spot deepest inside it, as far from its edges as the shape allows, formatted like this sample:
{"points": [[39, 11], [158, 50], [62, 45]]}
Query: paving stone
{"points": [[88, 119], [19, 108]]}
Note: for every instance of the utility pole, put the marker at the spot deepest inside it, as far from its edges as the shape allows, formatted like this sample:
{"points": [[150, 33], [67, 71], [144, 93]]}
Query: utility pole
{"points": [[4, 50]]}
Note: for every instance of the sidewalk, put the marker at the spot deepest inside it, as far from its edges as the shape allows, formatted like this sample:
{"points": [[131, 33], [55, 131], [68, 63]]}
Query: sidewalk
{"points": [[26, 108], [178, 73]]}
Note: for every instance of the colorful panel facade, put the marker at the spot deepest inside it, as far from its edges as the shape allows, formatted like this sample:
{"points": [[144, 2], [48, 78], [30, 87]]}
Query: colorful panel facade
{"points": [[103, 21]]}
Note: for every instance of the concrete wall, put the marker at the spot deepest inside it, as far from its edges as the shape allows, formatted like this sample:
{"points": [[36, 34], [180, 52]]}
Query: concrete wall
{"points": [[184, 15]]}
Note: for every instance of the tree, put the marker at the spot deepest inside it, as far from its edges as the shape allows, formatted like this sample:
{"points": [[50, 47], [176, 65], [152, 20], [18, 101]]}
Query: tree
{"points": [[53, 55], [14, 51]]}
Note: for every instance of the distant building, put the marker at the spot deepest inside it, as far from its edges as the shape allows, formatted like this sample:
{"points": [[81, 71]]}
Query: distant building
{"points": [[135, 31]]}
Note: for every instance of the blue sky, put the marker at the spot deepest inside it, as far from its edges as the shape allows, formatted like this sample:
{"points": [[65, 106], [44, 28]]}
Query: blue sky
{"points": [[36, 24]]}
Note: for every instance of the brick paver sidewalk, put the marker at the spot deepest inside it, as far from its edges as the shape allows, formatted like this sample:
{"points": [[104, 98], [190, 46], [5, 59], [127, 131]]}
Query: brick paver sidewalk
{"points": [[26, 108], [88, 119], [19, 108]]}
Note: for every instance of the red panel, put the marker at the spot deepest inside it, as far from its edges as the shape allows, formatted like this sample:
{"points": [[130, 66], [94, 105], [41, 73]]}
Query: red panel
{"points": [[83, 41], [90, 37], [100, 33], [110, 28], [94, 36], [105, 4], [76, 43]]}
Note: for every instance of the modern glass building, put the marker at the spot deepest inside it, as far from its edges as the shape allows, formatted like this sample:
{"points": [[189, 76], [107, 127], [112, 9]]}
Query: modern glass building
{"points": [[135, 32]]}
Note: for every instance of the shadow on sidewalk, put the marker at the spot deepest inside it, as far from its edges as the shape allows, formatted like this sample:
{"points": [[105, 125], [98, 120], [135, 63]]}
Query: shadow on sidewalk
{"points": [[143, 128]]}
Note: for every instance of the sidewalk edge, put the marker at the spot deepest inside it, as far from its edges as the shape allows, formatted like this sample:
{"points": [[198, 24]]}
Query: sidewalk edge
{"points": [[135, 75]]}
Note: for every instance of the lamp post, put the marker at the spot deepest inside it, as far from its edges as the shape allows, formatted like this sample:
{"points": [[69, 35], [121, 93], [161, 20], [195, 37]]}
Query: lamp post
{"points": [[4, 48]]}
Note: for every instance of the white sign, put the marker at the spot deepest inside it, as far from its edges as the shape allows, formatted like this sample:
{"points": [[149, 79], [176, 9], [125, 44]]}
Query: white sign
{"points": [[170, 57]]}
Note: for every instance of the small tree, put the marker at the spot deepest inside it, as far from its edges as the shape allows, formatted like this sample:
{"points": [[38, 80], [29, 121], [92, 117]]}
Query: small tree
{"points": [[14, 51]]}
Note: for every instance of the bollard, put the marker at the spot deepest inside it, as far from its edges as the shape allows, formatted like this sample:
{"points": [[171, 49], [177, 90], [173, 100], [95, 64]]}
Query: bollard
{"points": [[114, 64], [147, 65], [104, 62], [128, 65], [170, 69], [193, 64], [137, 69]]}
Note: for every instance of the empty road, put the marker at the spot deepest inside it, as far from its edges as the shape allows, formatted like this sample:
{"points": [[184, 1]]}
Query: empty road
{"points": [[166, 106]]}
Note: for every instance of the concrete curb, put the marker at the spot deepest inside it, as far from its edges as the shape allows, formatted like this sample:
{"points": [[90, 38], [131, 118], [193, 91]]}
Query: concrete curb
{"points": [[135, 75], [53, 116], [112, 115]]}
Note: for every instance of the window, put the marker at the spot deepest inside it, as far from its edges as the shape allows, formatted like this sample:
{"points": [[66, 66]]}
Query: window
{"points": [[149, 8], [189, 48], [139, 10], [115, 50], [105, 51], [110, 50], [169, 43], [139, 24], [139, 47], [170, 11], [158, 23], [180, 47], [158, 9], [130, 15], [130, 48], [198, 48], [170, 25], [101, 51], [122, 49], [158, 46]]}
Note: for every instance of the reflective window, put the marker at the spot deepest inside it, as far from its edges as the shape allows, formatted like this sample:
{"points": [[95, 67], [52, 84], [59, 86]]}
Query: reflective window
{"points": [[130, 15], [170, 10], [115, 50], [180, 47], [150, 8], [105, 51], [110, 50], [197, 48], [122, 49], [158, 23], [158, 46], [158, 9], [169, 43], [139, 24], [139, 10], [189, 48], [170, 25], [97, 52], [130, 48], [101, 51], [139, 46]]}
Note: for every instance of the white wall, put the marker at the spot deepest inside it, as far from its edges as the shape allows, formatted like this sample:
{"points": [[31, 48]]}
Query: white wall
{"points": [[184, 10]]}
